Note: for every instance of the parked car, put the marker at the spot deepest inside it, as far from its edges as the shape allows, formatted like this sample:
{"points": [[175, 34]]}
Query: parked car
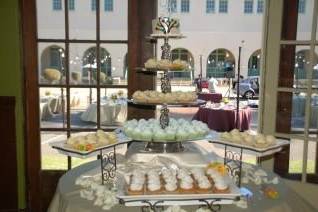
{"points": [[249, 87]]}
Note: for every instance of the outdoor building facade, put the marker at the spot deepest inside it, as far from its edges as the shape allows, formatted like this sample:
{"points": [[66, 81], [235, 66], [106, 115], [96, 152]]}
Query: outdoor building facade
{"points": [[213, 42]]}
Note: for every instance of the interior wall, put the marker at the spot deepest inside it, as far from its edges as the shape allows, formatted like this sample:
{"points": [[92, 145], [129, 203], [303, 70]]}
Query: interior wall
{"points": [[11, 78]]}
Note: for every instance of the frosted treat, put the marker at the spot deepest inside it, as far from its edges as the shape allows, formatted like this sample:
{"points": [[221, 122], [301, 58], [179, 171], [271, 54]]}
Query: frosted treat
{"points": [[151, 63], [221, 186]]}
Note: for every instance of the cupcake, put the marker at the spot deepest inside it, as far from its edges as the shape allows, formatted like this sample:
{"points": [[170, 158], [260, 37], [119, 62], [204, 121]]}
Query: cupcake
{"points": [[186, 186], [204, 186], [159, 135], [181, 135], [221, 186]]}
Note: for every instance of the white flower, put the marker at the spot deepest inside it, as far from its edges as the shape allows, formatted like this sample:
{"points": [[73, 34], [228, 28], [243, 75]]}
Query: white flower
{"points": [[242, 203], [174, 208], [258, 180], [202, 210], [98, 202]]}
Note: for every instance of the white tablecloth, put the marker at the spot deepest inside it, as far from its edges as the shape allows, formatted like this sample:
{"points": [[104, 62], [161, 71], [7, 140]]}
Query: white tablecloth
{"points": [[67, 197], [110, 112]]}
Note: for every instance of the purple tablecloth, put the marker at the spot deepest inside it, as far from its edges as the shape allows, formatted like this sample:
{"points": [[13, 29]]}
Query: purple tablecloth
{"points": [[213, 97], [224, 119]]}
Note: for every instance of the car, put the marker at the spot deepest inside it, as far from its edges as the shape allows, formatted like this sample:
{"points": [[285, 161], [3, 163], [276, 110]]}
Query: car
{"points": [[249, 87]]}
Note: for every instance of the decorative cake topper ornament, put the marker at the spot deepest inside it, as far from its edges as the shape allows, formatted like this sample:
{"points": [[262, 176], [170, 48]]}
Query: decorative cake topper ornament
{"points": [[165, 24]]}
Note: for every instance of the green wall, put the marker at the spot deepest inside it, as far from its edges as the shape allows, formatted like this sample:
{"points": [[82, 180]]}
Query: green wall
{"points": [[11, 77]]}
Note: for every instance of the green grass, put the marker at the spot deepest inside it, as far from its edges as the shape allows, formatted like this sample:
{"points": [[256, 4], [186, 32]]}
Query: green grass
{"points": [[295, 166], [59, 162]]}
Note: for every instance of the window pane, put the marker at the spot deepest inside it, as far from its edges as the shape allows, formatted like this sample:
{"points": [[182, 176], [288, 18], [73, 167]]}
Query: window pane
{"points": [[296, 156], [83, 64], [52, 107], [51, 60], [113, 25], [113, 107], [304, 21], [315, 69], [294, 66], [51, 159], [108, 5], [223, 6], [114, 64], [50, 21], [172, 6], [185, 6], [210, 6], [71, 5], [82, 21], [248, 6], [313, 119], [260, 6], [83, 107]]}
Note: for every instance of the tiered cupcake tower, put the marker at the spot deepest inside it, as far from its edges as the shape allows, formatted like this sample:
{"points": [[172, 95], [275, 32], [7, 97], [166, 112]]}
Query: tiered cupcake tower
{"points": [[167, 28]]}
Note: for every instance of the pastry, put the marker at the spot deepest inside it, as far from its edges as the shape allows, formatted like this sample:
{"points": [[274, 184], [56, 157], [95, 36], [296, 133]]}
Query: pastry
{"points": [[220, 186], [151, 63], [204, 186]]}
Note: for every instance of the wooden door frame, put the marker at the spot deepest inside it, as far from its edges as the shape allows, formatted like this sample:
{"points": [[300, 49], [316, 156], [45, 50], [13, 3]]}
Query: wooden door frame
{"points": [[138, 51], [31, 106]]}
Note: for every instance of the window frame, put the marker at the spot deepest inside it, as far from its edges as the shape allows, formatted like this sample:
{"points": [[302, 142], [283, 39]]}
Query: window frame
{"points": [[223, 6], [208, 6], [248, 7], [109, 5], [172, 6], [185, 4], [57, 5], [260, 6], [67, 86], [71, 5], [283, 27], [302, 6]]}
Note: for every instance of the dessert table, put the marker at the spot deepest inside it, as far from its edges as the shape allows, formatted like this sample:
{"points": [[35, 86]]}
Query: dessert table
{"points": [[213, 97], [111, 112], [67, 197], [224, 118]]}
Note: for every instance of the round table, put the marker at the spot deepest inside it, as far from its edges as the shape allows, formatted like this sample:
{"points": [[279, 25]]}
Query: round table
{"points": [[67, 197], [224, 119], [110, 112], [213, 97]]}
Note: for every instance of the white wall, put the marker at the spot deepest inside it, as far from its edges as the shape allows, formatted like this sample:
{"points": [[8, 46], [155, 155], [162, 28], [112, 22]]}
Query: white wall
{"points": [[204, 32]]}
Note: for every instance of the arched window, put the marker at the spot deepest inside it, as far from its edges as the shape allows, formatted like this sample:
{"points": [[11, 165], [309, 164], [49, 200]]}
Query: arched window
{"points": [[220, 64], [302, 65], [52, 57], [254, 63], [90, 63], [183, 54]]}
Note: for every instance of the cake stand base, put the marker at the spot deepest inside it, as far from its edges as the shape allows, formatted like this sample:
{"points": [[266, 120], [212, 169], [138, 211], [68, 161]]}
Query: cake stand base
{"points": [[163, 147], [192, 154]]}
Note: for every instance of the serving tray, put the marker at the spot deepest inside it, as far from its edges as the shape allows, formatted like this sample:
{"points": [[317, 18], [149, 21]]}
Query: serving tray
{"points": [[257, 151], [69, 151]]}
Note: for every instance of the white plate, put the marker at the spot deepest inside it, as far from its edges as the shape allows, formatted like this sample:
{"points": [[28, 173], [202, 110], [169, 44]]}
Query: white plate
{"points": [[65, 150], [250, 149], [176, 199]]}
